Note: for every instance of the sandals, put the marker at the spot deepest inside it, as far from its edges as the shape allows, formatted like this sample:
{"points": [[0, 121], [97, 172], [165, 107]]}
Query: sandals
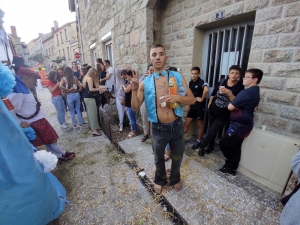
{"points": [[60, 161], [167, 156], [131, 134], [68, 156], [97, 133], [144, 138]]}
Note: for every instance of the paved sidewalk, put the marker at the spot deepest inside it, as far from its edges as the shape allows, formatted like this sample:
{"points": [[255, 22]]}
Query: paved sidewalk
{"points": [[209, 197]]}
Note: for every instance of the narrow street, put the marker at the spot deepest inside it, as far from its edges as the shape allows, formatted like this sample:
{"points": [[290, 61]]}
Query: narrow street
{"points": [[103, 189], [229, 69]]}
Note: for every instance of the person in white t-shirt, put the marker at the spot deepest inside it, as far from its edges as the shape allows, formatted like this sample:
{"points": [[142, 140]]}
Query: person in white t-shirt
{"points": [[28, 112], [110, 80]]}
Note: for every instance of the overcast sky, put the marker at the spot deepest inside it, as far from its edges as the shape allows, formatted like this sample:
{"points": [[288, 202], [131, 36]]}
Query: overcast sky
{"points": [[31, 17]]}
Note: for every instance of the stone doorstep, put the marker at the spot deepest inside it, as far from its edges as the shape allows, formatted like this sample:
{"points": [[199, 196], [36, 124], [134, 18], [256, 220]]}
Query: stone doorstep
{"points": [[207, 195]]}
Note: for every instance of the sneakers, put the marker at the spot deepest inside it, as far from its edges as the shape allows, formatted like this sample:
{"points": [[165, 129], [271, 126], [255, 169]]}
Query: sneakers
{"points": [[210, 148], [64, 126], [196, 145], [201, 151], [223, 170], [228, 171], [65, 123], [121, 128]]}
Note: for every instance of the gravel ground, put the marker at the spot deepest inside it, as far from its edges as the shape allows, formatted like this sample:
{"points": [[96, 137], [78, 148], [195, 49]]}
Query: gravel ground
{"points": [[101, 187]]}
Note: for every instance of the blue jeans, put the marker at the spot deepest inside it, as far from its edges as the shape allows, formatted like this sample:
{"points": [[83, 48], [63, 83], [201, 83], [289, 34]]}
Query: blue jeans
{"points": [[164, 133], [60, 107], [74, 98], [131, 115]]}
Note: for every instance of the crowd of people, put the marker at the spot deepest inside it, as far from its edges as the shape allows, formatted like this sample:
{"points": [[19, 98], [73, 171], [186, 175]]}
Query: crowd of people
{"points": [[232, 100], [161, 94]]}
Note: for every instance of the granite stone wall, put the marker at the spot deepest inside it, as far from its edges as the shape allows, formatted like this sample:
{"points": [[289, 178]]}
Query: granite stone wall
{"points": [[131, 24], [275, 49], [137, 24]]}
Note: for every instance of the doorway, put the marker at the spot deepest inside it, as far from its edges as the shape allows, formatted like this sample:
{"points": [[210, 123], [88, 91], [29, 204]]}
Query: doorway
{"points": [[224, 47]]}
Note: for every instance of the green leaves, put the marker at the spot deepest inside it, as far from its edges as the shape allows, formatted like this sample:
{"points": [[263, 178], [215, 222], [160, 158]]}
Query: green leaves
{"points": [[59, 60], [38, 57]]}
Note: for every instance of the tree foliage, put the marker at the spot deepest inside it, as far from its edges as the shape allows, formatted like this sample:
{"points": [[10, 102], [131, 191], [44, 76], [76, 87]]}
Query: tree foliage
{"points": [[59, 60], [38, 58]]}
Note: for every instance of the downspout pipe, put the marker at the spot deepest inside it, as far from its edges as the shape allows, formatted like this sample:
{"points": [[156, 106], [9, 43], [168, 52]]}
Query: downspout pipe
{"points": [[79, 27]]}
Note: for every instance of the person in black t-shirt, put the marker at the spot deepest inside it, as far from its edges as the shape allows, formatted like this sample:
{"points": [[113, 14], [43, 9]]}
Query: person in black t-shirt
{"points": [[75, 69], [127, 88], [199, 89], [222, 95], [102, 74], [241, 121], [83, 72]]}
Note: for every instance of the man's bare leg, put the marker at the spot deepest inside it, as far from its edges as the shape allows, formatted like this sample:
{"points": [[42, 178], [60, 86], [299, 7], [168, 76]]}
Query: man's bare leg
{"points": [[200, 129], [158, 189], [187, 124], [178, 186]]}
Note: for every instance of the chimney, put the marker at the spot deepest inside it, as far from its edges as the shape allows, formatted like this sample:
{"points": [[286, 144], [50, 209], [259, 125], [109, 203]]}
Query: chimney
{"points": [[52, 29], [13, 30], [55, 25]]}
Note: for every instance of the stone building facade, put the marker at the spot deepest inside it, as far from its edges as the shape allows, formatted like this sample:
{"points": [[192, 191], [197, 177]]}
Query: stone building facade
{"points": [[208, 33], [61, 41], [19, 46], [34, 48], [16, 41], [48, 46], [63, 37]]}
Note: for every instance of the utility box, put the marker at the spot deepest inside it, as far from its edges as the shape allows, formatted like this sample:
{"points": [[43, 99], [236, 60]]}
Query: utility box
{"points": [[266, 158]]}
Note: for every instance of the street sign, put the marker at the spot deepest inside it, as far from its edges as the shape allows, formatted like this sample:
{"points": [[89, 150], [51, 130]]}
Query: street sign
{"points": [[77, 55], [220, 15]]}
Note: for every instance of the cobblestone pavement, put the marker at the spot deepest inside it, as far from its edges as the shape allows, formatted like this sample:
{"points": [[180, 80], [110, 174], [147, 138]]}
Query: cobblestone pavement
{"points": [[103, 189]]}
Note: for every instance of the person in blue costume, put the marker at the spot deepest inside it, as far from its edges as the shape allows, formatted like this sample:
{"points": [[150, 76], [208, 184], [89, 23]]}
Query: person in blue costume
{"points": [[290, 214], [28, 195], [167, 124]]}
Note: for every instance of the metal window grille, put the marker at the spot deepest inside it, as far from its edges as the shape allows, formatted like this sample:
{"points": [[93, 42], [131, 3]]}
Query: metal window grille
{"points": [[109, 54], [224, 47]]}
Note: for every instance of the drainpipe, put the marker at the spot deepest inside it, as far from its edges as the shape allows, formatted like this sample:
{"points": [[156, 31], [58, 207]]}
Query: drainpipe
{"points": [[79, 27]]}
